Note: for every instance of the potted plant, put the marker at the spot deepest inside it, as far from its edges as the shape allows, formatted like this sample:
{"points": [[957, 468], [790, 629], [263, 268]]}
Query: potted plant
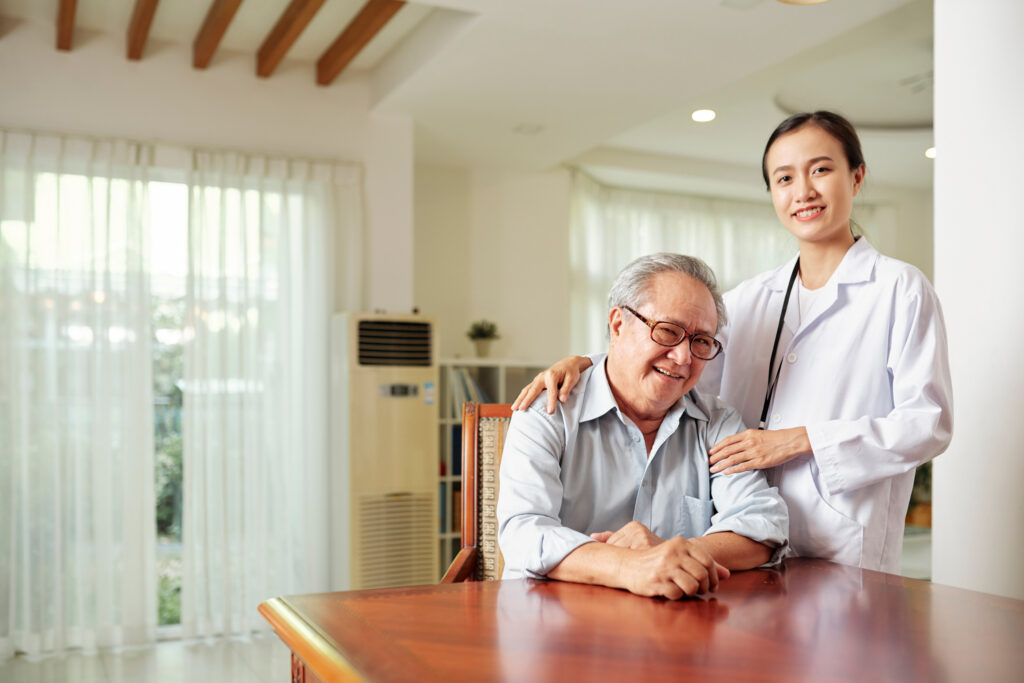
{"points": [[482, 333]]}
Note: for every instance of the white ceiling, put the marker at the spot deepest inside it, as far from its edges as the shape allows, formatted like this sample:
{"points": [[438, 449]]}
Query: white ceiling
{"points": [[878, 74], [609, 84]]}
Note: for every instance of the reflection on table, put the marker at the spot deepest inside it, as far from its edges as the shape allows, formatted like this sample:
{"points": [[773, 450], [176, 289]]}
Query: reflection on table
{"points": [[809, 620]]}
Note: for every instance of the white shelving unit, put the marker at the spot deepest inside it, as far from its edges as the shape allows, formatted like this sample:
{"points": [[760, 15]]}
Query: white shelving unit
{"points": [[500, 381]]}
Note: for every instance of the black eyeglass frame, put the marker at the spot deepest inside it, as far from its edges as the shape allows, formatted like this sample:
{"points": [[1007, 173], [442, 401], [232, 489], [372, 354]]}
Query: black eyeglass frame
{"points": [[683, 337]]}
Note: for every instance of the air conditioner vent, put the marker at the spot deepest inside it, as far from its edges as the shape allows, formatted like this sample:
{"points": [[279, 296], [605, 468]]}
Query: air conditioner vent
{"points": [[398, 538], [394, 342]]}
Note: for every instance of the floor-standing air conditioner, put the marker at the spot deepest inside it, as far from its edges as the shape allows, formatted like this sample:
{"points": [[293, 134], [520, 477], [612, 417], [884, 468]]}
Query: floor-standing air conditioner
{"points": [[384, 445]]}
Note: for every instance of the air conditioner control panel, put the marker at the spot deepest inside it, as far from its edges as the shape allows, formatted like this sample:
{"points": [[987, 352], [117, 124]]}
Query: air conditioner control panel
{"points": [[388, 390]]}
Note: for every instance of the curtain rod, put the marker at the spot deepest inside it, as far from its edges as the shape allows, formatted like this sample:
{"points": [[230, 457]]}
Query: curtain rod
{"points": [[178, 145]]}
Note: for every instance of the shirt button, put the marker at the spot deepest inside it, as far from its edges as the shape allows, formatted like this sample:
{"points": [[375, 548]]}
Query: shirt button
{"points": [[636, 439], [791, 358]]}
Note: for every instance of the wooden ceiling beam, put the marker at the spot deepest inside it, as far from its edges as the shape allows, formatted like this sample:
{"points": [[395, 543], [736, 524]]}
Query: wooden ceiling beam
{"points": [[65, 23], [138, 28], [218, 18], [287, 29], [374, 15]]}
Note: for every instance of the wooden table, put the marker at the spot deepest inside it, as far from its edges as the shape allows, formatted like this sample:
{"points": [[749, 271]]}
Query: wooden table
{"points": [[809, 620]]}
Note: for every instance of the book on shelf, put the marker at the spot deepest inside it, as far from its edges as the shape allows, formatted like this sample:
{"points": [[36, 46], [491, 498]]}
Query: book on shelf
{"points": [[457, 450], [456, 394], [456, 506], [441, 493], [462, 387]]}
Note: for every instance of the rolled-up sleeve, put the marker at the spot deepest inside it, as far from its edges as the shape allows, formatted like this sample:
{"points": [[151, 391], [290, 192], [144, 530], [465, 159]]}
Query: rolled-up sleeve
{"points": [[530, 533], [744, 502]]}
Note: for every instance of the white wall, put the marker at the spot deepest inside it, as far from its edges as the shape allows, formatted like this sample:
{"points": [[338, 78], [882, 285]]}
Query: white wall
{"points": [[495, 244], [94, 90], [904, 229], [389, 213], [978, 515], [442, 248]]}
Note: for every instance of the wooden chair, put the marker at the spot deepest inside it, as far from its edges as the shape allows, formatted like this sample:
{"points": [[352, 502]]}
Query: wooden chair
{"points": [[484, 426]]}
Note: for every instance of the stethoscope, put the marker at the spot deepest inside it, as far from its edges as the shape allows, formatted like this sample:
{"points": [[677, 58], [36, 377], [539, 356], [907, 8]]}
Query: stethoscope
{"points": [[773, 374]]}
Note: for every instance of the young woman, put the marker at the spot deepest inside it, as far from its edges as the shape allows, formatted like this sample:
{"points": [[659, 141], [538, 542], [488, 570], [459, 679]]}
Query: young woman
{"points": [[838, 356]]}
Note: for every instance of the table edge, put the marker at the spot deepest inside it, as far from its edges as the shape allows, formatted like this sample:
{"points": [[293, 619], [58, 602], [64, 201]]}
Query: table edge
{"points": [[309, 643]]}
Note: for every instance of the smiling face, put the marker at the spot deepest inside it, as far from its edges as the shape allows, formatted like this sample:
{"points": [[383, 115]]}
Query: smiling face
{"points": [[813, 186], [647, 378]]}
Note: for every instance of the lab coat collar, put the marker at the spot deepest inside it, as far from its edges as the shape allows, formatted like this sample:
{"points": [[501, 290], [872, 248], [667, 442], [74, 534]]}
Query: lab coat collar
{"points": [[859, 263], [777, 280], [857, 266], [598, 400]]}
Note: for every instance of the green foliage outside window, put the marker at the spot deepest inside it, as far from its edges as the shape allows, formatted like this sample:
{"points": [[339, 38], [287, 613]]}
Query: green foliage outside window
{"points": [[168, 371]]}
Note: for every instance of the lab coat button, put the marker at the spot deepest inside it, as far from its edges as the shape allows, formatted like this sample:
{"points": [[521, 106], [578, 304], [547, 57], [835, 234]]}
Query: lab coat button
{"points": [[791, 358], [776, 419]]}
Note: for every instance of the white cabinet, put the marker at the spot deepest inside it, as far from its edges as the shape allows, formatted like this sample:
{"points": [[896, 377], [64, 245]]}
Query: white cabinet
{"points": [[487, 380]]}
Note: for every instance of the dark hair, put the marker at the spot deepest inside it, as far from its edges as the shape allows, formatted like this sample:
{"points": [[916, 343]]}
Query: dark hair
{"points": [[830, 122]]}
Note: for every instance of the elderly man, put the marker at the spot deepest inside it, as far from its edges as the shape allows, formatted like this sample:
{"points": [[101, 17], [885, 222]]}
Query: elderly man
{"points": [[589, 493]]}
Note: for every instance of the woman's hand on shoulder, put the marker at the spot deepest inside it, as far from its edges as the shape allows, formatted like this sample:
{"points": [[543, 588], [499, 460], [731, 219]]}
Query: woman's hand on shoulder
{"points": [[559, 380], [756, 449]]}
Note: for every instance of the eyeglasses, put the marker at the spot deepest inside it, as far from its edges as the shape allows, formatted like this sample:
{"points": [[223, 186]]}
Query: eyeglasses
{"points": [[702, 346]]}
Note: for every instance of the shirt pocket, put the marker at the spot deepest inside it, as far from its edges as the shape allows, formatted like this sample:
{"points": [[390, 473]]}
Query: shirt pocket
{"points": [[693, 517]]}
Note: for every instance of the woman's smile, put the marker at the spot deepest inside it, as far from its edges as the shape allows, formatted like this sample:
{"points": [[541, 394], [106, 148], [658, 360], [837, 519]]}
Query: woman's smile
{"points": [[809, 213]]}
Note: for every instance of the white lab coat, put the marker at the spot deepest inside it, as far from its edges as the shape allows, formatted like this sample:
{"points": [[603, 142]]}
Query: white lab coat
{"points": [[867, 373]]}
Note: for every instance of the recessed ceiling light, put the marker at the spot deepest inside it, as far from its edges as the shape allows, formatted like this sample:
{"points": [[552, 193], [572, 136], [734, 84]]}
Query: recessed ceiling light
{"points": [[703, 115], [802, 2], [739, 4], [528, 128], [930, 152]]}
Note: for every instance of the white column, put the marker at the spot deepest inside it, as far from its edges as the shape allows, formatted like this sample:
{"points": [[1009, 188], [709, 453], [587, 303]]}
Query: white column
{"points": [[979, 273], [389, 214]]}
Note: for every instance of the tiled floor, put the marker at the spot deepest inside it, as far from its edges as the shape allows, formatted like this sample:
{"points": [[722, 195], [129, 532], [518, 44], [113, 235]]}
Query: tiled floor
{"points": [[262, 659]]}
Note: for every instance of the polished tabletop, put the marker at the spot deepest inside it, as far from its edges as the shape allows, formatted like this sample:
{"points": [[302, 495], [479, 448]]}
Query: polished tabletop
{"points": [[808, 620]]}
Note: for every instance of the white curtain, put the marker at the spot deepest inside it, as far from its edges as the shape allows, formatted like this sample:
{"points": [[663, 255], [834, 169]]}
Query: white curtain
{"points": [[611, 226], [262, 233], [77, 530]]}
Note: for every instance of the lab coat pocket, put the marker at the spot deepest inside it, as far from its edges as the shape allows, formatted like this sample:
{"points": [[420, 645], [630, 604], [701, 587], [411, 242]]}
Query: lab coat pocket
{"points": [[817, 528], [693, 517]]}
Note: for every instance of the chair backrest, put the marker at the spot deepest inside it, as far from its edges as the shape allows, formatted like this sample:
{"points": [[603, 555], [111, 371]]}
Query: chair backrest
{"points": [[484, 426]]}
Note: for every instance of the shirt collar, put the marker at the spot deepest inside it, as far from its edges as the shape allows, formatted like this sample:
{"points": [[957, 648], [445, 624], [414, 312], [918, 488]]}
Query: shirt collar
{"points": [[857, 266], [598, 399]]}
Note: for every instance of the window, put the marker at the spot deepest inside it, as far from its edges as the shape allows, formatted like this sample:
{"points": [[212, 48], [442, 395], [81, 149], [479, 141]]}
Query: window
{"points": [[168, 266], [163, 355]]}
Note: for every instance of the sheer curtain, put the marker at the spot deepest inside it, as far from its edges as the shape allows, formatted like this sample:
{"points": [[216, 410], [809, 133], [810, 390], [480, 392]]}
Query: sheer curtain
{"points": [[611, 226], [77, 536], [261, 237]]}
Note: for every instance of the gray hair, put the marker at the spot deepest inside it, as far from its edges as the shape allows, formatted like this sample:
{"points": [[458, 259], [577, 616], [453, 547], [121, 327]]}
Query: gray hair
{"points": [[631, 284]]}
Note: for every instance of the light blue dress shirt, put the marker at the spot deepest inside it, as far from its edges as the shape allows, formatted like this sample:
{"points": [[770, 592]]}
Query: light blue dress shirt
{"points": [[585, 469]]}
